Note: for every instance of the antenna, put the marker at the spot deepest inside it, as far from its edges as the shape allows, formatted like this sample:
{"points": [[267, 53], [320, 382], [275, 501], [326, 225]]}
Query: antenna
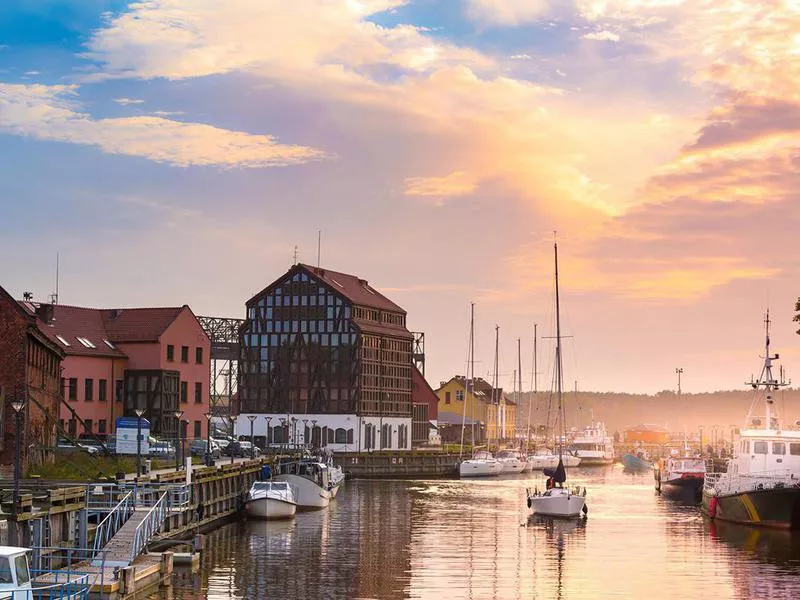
{"points": [[54, 295], [319, 247], [294, 259]]}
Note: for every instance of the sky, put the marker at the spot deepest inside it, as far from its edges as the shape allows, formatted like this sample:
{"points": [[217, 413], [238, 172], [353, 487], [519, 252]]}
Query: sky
{"points": [[178, 151]]}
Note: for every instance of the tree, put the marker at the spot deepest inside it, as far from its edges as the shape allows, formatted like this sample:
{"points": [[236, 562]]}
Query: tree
{"points": [[797, 310]]}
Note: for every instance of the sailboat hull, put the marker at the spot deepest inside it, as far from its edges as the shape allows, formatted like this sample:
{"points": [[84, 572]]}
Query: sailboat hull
{"points": [[479, 468], [512, 465], [558, 502]]}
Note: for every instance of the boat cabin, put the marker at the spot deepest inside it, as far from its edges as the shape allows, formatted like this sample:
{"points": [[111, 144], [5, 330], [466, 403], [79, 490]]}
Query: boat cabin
{"points": [[14, 572], [761, 450], [310, 469]]}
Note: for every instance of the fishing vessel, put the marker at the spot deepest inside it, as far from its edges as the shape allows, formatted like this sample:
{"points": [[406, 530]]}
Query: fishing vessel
{"points": [[558, 500], [309, 480], [271, 500], [680, 477], [762, 482], [594, 446]]}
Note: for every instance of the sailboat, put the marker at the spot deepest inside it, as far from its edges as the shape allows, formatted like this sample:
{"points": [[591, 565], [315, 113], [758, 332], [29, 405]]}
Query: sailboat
{"points": [[557, 500], [482, 463], [762, 483]]}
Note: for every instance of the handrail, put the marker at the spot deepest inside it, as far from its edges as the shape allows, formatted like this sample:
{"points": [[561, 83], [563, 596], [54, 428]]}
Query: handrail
{"points": [[113, 522], [733, 483], [150, 524], [72, 589]]}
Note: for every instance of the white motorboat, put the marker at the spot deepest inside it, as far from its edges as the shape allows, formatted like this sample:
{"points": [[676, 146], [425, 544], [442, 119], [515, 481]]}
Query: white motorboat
{"points": [[271, 500], [310, 482], [482, 464], [594, 446], [511, 461], [557, 500]]}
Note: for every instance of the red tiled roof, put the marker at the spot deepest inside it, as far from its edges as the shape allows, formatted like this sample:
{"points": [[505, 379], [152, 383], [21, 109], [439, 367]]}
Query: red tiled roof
{"points": [[422, 393], [356, 290], [98, 325]]}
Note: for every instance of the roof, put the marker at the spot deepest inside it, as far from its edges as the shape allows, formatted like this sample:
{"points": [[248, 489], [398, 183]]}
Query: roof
{"points": [[101, 329], [383, 328], [481, 389], [451, 418], [648, 427], [356, 290]]}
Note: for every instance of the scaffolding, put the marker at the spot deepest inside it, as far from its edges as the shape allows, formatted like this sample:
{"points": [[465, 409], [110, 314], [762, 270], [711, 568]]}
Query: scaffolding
{"points": [[225, 346], [418, 351]]}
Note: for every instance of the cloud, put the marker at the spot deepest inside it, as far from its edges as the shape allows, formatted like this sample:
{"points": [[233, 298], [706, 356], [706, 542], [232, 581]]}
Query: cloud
{"points": [[457, 183], [602, 36], [128, 101], [49, 113], [506, 12]]}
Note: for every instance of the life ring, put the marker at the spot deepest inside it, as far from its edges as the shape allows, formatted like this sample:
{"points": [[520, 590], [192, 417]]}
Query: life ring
{"points": [[712, 507]]}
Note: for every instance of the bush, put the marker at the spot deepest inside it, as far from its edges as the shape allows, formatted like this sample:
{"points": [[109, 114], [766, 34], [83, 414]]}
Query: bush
{"points": [[80, 466]]}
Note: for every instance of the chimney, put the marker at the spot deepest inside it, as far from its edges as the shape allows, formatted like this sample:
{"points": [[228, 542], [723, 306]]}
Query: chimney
{"points": [[45, 312]]}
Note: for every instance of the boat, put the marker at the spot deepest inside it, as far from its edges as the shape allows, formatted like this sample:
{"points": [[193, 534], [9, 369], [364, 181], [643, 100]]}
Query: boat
{"points": [[336, 476], [511, 461], [594, 446], [558, 500], [636, 463], [543, 459], [482, 464], [309, 480], [271, 500], [761, 485], [680, 477]]}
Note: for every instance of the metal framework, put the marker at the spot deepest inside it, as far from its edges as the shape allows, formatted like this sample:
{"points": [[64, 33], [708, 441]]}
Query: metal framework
{"points": [[418, 351], [224, 335]]}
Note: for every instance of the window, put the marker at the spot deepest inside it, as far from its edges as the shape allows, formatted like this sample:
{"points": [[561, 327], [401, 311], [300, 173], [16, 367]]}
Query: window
{"points": [[447, 397], [198, 356], [85, 342], [60, 425], [73, 388], [459, 395], [21, 566], [101, 390], [778, 447], [109, 344], [5, 571], [61, 388], [350, 436], [118, 390], [184, 353], [63, 341], [198, 393], [73, 427], [794, 449], [87, 425], [170, 352], [184, 392], [197, 430], [340, 436], [101, 426], [760, 447], [88, 394]]}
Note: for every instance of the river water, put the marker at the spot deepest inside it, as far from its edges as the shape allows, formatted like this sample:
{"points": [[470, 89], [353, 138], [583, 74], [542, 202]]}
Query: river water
{"points": [[444, 539]]}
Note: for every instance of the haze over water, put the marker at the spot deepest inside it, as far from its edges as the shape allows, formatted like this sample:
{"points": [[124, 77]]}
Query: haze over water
{"points": [[473, 539]]}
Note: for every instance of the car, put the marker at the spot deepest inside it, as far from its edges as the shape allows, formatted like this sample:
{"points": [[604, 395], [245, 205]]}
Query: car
{"points": [[223, 443], [160, 449], [64, 444], [103, 442], [198, 448], [247, 447]]}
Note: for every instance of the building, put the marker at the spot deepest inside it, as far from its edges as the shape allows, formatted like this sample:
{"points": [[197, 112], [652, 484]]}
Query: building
{"points": [[118, 360], [485, 405], [425, 402], [30, 370], [326, 360], [647, 434]]}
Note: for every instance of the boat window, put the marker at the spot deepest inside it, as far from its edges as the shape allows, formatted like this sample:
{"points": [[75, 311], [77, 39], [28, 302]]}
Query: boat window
{"points": [[794, 448], [21, 564], [760, 447], [5, 571], [778, 448]]}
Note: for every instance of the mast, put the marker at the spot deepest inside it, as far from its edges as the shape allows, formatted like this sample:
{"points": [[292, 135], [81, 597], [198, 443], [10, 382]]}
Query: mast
{"points": [[466, 383], [534, 379], [519, 374], [559, 373], [768, 382], [495, 398], [472, 368]]}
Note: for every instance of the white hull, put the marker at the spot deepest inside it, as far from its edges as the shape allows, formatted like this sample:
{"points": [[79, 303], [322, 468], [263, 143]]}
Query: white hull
{"points": [[512, 465], [557, 502], [595, 461], [479, 468], [308, 494], [550, 461], [270, 508]]}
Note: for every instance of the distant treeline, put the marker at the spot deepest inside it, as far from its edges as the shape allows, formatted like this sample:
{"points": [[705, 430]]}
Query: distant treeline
{"points": [[620, 411]]}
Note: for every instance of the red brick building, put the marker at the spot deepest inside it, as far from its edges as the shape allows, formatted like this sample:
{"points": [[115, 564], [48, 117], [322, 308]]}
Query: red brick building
{"points": [[30, 370]]}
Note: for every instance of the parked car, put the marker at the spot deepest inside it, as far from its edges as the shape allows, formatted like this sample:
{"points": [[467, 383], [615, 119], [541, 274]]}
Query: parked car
{"points": [[64, 444], [198, 448], [247, 447], [103, 442], [223, 443], [161, 449]]}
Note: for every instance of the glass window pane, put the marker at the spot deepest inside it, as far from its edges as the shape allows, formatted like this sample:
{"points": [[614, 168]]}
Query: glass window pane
{"points": [[778, 448], [794, 449], [760, 447]]}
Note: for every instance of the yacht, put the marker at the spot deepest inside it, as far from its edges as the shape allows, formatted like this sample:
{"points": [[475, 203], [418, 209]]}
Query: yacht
{"points": [[271, 500], [310, 481], [762, 483], [594, 446], [512, 461], [482, 464]]}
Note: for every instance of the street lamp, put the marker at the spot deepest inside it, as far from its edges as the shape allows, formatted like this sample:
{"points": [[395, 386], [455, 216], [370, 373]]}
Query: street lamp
{"points": [[679, 370], [269, 431], [252, 442], [209, 460], [178, 414], [305, 428], [17, 405], [233, 435], [184, 429], [285, 431], [139, 412], [294, 430], [313, 427]]}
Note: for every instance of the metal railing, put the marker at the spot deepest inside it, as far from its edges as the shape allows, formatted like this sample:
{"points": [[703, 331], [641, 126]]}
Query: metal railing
{"points": [[76, 586], [734, 483], [150, 525], [113, 521], [148, 494]]}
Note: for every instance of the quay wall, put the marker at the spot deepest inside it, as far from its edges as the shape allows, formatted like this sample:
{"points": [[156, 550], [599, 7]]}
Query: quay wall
{"points": [[397, 464]]}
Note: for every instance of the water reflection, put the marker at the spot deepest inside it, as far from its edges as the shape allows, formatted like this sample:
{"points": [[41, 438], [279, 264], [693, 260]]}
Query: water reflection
{"points": [[474, 539]]}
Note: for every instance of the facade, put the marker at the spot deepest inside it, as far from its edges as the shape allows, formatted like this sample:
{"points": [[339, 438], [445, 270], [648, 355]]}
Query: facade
{"points": [[30, 366], [118, 360], [425, 412], [484, 404], [326, 360], [647, 434]]}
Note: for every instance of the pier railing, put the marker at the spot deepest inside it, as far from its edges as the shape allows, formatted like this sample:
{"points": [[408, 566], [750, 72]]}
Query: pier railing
{"points": [[733, 483], [150, 525], [113, 521], [68, 585]]}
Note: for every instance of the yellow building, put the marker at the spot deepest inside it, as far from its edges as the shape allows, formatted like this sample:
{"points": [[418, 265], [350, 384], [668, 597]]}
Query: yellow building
{"points": [[496, 413]]}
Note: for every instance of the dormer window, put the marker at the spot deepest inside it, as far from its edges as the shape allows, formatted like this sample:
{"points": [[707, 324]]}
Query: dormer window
{"points": [[63, 341], [85, 342], [110, 345]]}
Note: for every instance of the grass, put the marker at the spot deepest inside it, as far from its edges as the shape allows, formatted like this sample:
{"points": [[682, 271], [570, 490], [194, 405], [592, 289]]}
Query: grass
{"points": [[80, 466]]}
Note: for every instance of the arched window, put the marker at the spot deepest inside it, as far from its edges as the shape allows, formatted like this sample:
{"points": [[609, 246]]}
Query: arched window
{"points": [[324, 439], [331, 436], [350, 436], [386, 436], [341, 435], [315, 435]]}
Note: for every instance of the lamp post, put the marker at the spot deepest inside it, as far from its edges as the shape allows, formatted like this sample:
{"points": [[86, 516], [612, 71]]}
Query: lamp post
{"points": [[252, 439], [184, 428], [139, 412], [313, 427], [285, 431], [178, 414], [305, 428], [17, 405], [233, 435], [269, 431], [294, 430], [209, 460], [678, 371]]}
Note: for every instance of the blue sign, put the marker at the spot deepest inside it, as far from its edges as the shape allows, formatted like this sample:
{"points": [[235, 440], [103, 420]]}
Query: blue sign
{"points": [[127, 427]]}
